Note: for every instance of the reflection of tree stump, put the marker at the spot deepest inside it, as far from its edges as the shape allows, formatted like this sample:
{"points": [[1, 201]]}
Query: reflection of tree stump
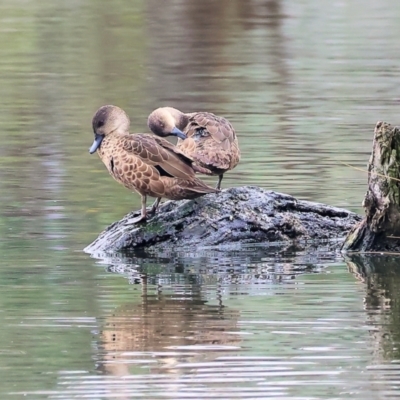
{"points": [[380, 229], [381, 276]]}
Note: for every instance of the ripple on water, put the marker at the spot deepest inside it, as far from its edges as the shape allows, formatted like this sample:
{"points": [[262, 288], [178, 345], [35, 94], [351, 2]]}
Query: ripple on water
{"points": [[303, 82], [305, 338]]}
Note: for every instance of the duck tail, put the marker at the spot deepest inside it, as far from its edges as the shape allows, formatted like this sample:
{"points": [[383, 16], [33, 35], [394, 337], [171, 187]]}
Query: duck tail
{"points": [[178, 189], [201, 170], [200, 187]]}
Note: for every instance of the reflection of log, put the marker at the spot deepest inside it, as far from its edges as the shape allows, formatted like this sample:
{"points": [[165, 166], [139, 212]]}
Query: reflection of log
{"points": [[242, 265], [237, 215], [380, 229]]}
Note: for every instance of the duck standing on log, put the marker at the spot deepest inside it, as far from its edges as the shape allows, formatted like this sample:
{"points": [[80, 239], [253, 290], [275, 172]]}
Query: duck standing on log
{"points": [[211, 140], [145, 163]]}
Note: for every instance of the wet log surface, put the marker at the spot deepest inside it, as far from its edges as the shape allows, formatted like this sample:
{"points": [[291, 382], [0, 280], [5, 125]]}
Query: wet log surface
{"points": [[239, 215], [380, 229]]}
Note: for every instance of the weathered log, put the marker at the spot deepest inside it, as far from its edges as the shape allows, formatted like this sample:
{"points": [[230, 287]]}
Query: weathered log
{"points": [[236, 215], [380, 229]]}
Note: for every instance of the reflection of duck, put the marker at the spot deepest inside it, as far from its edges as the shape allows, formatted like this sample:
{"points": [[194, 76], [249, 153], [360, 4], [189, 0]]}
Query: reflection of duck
{"points": [[145, 163], [165, 323], [211, 140]]}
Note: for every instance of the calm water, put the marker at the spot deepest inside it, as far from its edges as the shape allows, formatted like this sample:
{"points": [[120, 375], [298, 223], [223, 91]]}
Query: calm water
{"points": [[304, 83]]}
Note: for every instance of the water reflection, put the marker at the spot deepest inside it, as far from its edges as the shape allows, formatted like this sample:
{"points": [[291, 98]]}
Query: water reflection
{"points": [[178, 327], [240, 264], [381, 275], [249, 322], [242, 323], [208, 39], [182, 317]]}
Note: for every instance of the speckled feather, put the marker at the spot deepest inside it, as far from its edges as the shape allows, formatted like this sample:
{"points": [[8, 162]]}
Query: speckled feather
{"points": [[212, 142], [151, 166]]}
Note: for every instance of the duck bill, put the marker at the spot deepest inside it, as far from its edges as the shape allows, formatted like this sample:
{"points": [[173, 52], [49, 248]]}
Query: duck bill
{"points": [[177, 132], [96, 144]]}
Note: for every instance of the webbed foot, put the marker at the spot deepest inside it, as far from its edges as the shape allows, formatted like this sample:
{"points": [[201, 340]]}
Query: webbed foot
{"points": [[136, 220]]}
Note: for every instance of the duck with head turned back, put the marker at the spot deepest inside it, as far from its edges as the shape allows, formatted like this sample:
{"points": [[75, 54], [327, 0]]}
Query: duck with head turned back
{"points": [[145, 163], [211, 140]]}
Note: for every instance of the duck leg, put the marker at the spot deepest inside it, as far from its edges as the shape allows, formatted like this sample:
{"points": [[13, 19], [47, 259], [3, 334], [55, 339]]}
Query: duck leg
{"points": [[155, 206], [143, 214], [219, 182]]}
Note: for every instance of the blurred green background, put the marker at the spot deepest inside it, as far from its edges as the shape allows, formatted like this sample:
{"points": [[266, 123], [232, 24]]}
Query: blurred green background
{"points": [[303, 82]]}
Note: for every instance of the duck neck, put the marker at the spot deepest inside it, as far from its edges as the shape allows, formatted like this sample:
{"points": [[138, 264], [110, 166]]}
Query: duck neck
{"points": [[181, 119], [106, 143]]}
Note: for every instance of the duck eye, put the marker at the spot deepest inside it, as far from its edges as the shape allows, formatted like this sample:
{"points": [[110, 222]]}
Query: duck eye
{"points": [[100, 124]]}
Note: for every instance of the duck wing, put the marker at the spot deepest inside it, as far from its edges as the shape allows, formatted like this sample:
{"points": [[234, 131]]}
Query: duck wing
{"points": [[185, 157], [219, 128], [159, 153]]}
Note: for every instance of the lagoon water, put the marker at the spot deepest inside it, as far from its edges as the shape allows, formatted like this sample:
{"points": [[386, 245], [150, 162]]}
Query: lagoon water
{"points": [[304, 83]]}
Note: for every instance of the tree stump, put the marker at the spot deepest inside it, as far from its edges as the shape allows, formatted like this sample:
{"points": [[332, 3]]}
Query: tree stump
{"points": [[380, 228]]}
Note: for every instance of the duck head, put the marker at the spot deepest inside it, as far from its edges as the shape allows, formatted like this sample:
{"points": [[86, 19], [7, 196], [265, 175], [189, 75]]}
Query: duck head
{"points": [[168, 121], [107, 120]]}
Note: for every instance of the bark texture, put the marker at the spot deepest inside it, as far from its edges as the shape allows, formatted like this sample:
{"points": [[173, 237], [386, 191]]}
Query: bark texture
{"points": [[380, 229]]}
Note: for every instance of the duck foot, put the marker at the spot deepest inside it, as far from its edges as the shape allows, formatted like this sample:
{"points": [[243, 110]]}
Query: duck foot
{"points": [[218, 187], [143, 213], [140, 218], [154, 207]]}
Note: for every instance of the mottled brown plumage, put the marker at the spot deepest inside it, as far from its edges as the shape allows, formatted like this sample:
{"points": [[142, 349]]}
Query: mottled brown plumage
{"points": [[144, 163], [211, 140]]}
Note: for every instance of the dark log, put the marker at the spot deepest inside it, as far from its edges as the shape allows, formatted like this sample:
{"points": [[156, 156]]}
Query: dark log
{"points": [[380, 229], [234, 216]]}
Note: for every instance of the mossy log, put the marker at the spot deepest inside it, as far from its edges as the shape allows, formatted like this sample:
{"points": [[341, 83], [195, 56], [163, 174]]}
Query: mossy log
{"points": [[380, 229], [234, 216]]}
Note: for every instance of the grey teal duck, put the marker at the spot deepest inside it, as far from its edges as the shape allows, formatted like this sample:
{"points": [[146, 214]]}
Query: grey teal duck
{"points": [[211, 140]]}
